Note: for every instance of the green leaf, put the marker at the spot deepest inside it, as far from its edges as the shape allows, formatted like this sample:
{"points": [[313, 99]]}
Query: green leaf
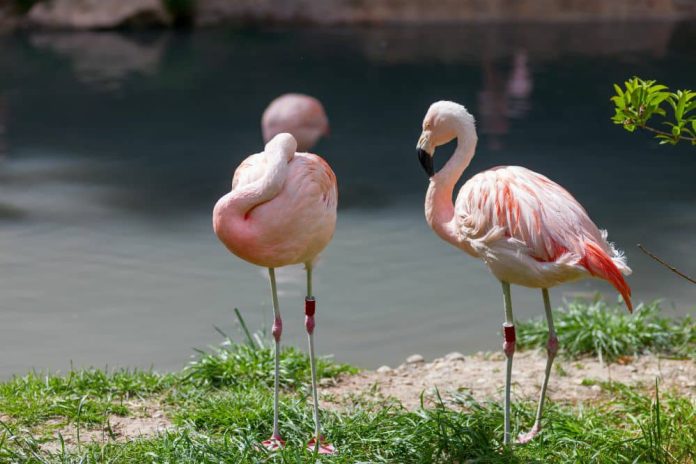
{"points": [[679, 110], [618, 101], [659, 97], [690, 107]]}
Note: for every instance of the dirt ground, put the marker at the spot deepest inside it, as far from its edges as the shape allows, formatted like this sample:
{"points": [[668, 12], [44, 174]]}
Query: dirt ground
{"points": [[480, 375], [147, 419], [483, 376]]}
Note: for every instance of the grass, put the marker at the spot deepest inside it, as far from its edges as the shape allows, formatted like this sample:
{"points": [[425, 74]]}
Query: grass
{"points": [[609, 332], [221, 405], [91, 394]]}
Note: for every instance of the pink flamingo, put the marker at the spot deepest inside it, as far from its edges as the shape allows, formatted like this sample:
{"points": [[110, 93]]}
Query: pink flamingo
{"points": [[281, 211], [300, 115], [529, 230]]}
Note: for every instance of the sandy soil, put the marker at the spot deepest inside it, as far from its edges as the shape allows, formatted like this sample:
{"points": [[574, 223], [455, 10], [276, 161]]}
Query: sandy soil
{"points": [[147, 419], [483, 376]]}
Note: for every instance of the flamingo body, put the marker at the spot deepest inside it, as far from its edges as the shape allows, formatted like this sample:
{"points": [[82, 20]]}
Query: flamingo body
{"points": [[293, 226], [530, 231], [300, 115]]}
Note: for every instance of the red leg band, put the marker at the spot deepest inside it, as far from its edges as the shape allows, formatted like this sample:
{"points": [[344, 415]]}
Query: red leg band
{"points": [[509, 337], [509, 333], [310, 306], [310, 309]]}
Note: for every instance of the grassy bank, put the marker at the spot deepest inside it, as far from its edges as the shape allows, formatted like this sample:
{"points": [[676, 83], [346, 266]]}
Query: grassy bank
{"points": [[220, 406]]}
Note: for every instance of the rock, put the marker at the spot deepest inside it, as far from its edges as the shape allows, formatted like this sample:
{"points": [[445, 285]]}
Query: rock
{"points": [[384, 369], [455, 356], [415, 359], [99, 14], [420, 11], [596, 388]]}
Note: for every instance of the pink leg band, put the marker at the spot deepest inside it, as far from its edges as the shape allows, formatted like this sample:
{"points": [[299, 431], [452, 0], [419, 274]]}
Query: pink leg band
{"points": [[277, 329], [310, 309], [509, 337]]}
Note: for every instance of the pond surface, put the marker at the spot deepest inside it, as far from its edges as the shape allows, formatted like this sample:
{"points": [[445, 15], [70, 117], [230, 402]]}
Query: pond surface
{"points": [[115, 146]]}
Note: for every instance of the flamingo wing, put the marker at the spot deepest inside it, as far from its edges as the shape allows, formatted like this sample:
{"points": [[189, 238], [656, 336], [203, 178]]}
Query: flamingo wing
{"points": [[315, 178], [514, 207], [251, 169]]}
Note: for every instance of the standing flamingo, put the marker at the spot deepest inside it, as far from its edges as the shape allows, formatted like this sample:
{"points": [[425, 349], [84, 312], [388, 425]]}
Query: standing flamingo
{"points": [[300, 115], [281, 211], [529, 230]]}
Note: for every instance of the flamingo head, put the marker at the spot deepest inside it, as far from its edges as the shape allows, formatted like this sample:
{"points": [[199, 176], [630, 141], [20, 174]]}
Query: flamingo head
{"points": [[284, 143], [442, 123]]}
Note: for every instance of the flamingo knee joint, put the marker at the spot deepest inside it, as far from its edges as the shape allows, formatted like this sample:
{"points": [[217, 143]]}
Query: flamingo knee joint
{"points": [[277, 329], [552, 345]]}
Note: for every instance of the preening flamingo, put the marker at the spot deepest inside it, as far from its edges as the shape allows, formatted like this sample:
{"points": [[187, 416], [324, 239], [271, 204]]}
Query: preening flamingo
{"points": [[529, 230], [300, 115], [281, 211]]}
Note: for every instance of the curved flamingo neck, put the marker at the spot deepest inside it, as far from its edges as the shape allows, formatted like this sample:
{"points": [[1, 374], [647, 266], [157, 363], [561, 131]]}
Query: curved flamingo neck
{"points": [[247, 197], [439, 208]]}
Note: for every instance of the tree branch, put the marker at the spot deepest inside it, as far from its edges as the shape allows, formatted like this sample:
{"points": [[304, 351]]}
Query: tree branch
{"points": [[668, 266], [668, 134]]}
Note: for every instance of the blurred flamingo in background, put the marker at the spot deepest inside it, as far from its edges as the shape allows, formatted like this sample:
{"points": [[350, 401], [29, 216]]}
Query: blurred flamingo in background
{"points": [[300, 115], [281, 211], [529, 230]]}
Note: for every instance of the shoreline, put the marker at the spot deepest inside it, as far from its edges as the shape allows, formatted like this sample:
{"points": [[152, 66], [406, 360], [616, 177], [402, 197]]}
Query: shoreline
{"points": [[452, 380], [201, 14]]}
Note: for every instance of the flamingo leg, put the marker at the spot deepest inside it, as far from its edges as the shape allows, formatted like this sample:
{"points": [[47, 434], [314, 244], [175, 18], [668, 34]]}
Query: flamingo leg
{"points": [[317, 443], [509, 349], [552, 349], [275, 441]]}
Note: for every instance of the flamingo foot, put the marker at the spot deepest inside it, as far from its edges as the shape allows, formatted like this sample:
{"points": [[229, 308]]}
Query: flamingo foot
{"points": [[274, 443], [524, 438], [323, 448]]}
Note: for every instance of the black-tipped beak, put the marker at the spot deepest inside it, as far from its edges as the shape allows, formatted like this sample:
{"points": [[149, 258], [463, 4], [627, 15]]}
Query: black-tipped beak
{"points": [[426, 160]]}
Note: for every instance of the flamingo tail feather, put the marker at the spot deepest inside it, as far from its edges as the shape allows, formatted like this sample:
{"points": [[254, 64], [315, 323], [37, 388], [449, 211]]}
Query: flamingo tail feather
{"points": [[599, 264]]}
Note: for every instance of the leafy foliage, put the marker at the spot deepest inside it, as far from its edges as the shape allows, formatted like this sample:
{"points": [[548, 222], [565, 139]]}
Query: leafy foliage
{"points": [[609, 332], [640, 100]]}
